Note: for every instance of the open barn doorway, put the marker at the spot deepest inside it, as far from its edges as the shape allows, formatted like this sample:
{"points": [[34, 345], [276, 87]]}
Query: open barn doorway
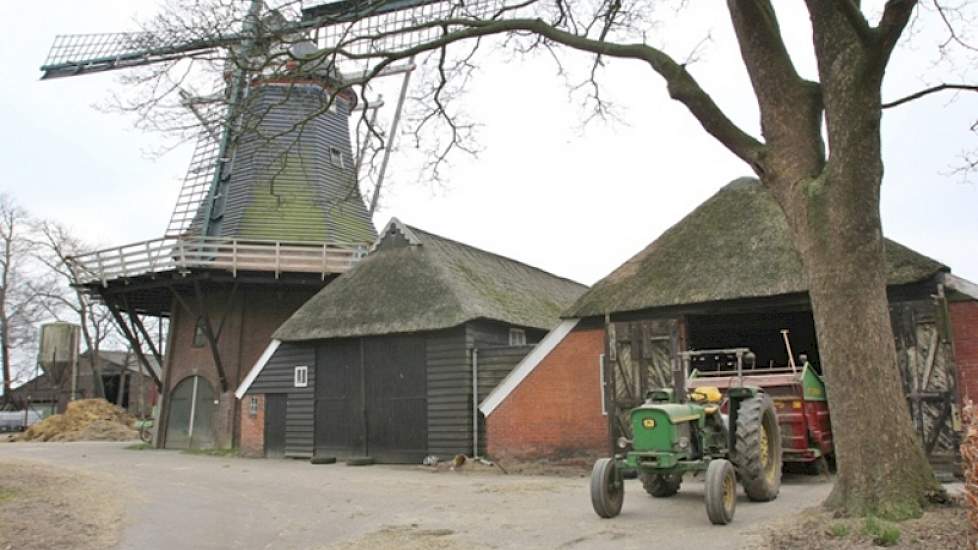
{"points": [[761, 332]]}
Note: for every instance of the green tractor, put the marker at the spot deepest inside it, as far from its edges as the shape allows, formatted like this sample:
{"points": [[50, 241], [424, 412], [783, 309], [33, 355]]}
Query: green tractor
{"points": [[676, 431]]}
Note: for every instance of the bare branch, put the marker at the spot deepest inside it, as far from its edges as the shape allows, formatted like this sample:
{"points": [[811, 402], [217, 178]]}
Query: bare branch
{"points": [[928, 91], [895, 17]]}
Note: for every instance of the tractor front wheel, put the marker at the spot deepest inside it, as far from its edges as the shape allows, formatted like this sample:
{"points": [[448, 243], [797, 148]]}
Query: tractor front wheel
{"points": [[757, 453], [661, 486], [721, 491], [607, 488]]}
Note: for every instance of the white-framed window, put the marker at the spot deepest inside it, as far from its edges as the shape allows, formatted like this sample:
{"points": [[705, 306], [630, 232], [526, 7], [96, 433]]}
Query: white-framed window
{"points": [[336, 157], [301, 376], [517, 337], [603, 384]]}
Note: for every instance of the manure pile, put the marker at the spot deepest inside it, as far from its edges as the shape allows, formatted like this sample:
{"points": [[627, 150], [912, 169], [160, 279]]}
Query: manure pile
{"points": [[84, 420]]}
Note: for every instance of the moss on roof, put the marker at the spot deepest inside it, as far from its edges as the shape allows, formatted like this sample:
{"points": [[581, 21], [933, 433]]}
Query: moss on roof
{"points": [[418, 281], [734, 245]]}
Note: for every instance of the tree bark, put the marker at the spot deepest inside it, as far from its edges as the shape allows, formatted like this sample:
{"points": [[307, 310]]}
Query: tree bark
{"points": [[835, 222], [882, 467]]}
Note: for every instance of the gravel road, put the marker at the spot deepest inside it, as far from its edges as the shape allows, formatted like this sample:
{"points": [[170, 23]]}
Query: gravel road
{"points": [[175, 500]]}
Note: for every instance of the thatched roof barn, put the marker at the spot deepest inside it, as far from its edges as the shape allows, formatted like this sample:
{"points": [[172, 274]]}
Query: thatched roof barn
{"points": [[416, 281], [725, 276], [736, 245], [385, 360]]}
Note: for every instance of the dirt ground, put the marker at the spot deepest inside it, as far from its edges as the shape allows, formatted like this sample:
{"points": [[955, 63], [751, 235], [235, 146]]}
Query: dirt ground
{"points": [[943, 528], [43, 507], [168, 499], [177, 500]]}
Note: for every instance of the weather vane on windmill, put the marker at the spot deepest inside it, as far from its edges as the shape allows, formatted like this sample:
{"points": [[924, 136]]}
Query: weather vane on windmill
{"points": [[270, 209]]}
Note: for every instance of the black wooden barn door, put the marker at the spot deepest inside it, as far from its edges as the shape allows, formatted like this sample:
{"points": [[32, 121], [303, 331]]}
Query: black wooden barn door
{"points": [[339, 410], [275, 425], [397, 406], [923, 344], [641, 357]]}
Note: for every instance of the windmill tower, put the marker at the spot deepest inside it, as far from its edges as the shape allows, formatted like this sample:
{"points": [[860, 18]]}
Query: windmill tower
{"points": [[270, 210]]}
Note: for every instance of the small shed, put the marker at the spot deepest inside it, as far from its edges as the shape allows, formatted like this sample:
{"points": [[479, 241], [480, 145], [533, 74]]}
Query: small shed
{"points": [[385, 361], [727, 275]]}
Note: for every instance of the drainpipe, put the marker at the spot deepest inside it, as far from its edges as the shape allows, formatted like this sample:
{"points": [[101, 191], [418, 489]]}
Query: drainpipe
{"points": [[475, 402]]}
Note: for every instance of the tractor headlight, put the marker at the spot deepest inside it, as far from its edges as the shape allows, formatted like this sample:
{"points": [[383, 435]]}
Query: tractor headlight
{"points": [[624, 442], [683, 442], [648, 423]]}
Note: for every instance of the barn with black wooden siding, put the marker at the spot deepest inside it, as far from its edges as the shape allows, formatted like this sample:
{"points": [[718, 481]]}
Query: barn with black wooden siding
{"points": [[384, 362]]}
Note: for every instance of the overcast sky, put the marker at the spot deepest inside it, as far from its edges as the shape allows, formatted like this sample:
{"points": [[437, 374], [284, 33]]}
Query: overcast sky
{"points": [[574, 202]]}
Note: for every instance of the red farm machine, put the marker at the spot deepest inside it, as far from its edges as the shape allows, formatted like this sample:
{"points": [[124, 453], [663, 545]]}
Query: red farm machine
{"points": [[798, 392]]}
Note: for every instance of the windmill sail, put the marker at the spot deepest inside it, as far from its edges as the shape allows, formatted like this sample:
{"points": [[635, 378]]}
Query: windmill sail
{"points": [[383, 26], [76, 54], [200, 173]]}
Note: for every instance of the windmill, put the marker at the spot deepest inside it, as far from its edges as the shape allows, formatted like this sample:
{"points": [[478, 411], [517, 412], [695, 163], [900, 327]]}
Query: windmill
{"points": [[270, 209]]}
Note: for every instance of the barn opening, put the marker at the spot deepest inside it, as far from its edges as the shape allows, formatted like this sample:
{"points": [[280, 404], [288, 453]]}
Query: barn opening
{"points": [[113, 384], [761, 332]]}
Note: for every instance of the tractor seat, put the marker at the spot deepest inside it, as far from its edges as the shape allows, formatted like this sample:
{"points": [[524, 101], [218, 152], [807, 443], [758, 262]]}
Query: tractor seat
{"points": [[706, 394]]}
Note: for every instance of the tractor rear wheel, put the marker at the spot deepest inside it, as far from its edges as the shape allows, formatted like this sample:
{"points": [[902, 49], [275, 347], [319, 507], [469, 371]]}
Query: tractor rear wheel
{"points": [[661, 486], [721, 491], [607, 488], [757, 453]]}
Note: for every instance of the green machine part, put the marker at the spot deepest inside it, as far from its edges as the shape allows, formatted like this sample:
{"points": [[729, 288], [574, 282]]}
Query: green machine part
{"points": [[656, 428], [812, 385]]}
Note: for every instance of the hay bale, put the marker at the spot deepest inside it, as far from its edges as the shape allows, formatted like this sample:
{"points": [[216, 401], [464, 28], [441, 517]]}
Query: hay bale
{"points": [[84, 420]]}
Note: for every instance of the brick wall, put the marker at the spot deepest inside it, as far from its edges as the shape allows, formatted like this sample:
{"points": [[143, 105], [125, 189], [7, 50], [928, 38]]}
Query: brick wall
{"points": [[555, 413], [253, 316], [964, 326], [252, 427]]}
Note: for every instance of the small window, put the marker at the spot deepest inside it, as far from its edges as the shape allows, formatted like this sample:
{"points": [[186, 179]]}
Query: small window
{"points": [[253, 406], [200, 338], [301, 377], [336, 157], [517, 337]]}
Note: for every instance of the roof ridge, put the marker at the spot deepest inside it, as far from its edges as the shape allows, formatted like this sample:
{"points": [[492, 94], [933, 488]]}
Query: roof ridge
{"points": [[496, 255]]}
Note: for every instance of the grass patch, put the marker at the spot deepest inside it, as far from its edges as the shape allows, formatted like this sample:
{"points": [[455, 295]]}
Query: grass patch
{"points": [[140, 447], [212, 452], [882, 533], [7, 494], [839, 530]]}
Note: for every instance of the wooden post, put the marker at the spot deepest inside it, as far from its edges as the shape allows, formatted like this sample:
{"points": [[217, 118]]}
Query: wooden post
{"points": [[610, 358], [138, 324], [130, 337], [211, 338]]}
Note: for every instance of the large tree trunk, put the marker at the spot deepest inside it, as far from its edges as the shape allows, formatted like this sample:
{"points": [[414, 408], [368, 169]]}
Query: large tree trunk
{"points": [[882, 467], [833, 208]]}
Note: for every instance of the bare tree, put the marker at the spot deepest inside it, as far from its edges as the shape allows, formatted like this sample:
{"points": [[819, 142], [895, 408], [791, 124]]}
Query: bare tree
{"points": [[53, 245], [818, 154], [22, 304]]}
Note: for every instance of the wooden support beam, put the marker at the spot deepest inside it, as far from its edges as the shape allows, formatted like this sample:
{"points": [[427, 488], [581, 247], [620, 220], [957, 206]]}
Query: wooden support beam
{"points": [[133, 340], [211, 338], [610, 361], [138, 323], [227, 310]]}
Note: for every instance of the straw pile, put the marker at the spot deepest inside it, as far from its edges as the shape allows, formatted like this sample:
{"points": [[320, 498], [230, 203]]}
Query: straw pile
{"points": [[84, 420], [969, 451]]}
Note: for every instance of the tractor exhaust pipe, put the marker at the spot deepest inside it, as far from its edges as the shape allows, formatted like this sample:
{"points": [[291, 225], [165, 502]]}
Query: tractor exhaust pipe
{"points": [[679, 369]]}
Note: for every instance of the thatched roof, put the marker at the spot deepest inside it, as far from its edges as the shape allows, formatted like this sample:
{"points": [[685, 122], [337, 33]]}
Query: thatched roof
{"points": [[734, 245], [416, 281]]}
